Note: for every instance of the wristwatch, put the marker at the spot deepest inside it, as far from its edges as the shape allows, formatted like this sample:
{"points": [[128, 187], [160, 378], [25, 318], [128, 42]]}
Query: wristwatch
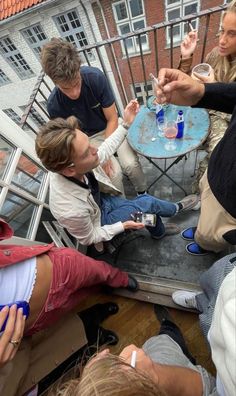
{"points": [[125, 125]]}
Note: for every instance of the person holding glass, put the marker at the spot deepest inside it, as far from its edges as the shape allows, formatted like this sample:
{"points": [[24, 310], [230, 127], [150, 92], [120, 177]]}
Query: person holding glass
{"points": [[222, 60]]}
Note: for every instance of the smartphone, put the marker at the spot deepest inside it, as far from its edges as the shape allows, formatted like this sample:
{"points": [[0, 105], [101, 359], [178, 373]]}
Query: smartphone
{"points": [[147, 219], [19, 304]]}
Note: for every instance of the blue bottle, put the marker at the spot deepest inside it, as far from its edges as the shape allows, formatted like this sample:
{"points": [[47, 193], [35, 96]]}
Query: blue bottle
{"points": [[180, 124], [159, 112]]}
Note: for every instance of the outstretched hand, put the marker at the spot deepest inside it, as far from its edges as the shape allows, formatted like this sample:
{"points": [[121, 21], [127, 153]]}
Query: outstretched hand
{"points": [[130, 111], [178, 88], [132, 225], [189, 44]]}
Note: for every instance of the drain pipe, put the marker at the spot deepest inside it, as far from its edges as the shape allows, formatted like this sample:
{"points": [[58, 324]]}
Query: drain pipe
{"points": [[112, 49]]}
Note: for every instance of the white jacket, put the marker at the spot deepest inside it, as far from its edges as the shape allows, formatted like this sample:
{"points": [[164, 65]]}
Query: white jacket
{"points": [[74, 207], [222, 336]]}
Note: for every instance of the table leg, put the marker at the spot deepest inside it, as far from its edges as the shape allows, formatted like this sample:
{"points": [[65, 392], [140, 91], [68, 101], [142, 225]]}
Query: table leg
{"points": [[164, 172]]}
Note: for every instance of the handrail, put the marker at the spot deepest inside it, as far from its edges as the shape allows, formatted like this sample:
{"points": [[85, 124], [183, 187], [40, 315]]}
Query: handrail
{"points": [[152, 33]]}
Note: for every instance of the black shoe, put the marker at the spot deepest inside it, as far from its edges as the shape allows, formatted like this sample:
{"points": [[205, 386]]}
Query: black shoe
{"points": [[133, 285], [107, 337], [98, 313], [161, 313]]}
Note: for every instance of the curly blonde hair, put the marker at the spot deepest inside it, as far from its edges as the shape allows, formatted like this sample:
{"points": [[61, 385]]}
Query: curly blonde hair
{"points": [[110, 376]]}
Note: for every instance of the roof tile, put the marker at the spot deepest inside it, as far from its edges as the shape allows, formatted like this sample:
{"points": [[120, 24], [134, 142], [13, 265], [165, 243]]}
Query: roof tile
{"points": [[12, 7]]}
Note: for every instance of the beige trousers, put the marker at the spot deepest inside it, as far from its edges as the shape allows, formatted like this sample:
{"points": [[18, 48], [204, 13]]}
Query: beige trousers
{"points": [[213, 222], [128, 164]]}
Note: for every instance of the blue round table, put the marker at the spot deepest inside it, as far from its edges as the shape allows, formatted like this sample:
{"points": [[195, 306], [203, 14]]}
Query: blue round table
{"points": [[143, 135]]}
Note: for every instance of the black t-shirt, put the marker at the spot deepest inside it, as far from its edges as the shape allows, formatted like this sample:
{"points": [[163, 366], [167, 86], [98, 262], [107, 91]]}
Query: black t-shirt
{"points": [[222, 164], [95, 95]]}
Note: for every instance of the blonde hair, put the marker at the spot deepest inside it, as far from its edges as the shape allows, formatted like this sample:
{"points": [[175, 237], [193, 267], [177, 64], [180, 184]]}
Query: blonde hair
{"points": [[53, 144], [224, 70], [60, 61], [110, 376]]}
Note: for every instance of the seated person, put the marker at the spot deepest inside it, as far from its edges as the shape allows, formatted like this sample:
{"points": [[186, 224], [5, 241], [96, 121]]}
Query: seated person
{"points": [[85, 93], [75, 198], [222, 61], [53, 280], [216, 229], [162, 367]]}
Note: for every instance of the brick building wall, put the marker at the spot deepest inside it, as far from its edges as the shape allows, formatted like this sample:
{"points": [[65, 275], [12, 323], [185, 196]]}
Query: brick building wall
{"points": [[154, 13]]}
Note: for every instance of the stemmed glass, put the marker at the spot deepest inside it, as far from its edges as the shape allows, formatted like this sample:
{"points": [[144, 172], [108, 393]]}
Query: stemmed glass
{"points": [[170, 131]]}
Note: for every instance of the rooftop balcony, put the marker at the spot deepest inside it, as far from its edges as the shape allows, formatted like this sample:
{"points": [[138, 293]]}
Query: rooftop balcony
{"points": [[126, 61]]}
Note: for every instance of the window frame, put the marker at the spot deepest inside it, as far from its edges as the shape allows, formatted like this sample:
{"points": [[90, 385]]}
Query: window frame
{"points": [[35, 47], [181, 5], [13, 57], [130, 20], [73, 32], [4, 79]]}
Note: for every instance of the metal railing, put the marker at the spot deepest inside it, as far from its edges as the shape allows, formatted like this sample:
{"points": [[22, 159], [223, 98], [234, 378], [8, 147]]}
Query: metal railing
{"points": [[113, 57]]}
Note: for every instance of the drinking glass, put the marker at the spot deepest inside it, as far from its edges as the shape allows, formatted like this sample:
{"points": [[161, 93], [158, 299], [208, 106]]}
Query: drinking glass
{"points": [[170, 131], [160, 126], [203, 69]]}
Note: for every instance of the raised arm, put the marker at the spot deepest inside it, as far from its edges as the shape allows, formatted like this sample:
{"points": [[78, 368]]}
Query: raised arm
{"points": [[178, 88], [187, 49]]}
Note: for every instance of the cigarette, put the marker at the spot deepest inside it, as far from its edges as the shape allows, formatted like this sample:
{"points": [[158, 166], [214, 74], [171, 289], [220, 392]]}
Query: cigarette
{"points": [[133, 359], [191, 27]]}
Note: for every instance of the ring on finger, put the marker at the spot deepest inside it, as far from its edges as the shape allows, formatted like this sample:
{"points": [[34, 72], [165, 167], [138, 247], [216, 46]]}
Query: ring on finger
{"points": [[15, 343]]}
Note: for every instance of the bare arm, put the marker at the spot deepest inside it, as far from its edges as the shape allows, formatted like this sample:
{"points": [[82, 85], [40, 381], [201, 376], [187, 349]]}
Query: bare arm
{"points": [[111, 116]]}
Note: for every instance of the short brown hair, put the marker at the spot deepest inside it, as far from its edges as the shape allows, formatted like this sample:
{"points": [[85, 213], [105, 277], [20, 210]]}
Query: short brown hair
{"points": [[53, 144], [110, 376], [60, 60]]}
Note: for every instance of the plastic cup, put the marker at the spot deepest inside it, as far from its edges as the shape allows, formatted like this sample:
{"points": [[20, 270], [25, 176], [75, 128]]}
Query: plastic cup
{"points": [[202, 69]]}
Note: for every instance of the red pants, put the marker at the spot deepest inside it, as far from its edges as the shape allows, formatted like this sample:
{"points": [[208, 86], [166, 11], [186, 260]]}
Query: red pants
{"points": [[73, 276]]}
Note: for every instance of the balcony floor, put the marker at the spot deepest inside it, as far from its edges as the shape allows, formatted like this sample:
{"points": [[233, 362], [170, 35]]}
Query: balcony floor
{"points": [[167, 258]]}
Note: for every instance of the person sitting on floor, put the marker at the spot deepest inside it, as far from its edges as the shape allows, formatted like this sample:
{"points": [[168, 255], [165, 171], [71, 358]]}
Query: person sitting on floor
{"points": [[53, 280], [75, 179], [216, 229], [163, 367], [223, 69], [84, 92]]}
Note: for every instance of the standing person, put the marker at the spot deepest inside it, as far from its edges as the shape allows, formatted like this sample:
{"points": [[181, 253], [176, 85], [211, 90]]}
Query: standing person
{"points": [[222, 60], [216, 229], [76, 175], [84, 92]]}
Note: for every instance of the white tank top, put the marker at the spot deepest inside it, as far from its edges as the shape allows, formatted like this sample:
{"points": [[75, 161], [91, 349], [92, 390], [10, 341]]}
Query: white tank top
{"points": [[17, 281]]}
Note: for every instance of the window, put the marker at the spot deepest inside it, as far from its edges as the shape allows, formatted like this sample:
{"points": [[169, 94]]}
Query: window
{"points": [[34, 116], [11, 54], [35, 38], [13, 115], [140, 92], [71, 28], [3, 78], [130, 16], [177, 9]]}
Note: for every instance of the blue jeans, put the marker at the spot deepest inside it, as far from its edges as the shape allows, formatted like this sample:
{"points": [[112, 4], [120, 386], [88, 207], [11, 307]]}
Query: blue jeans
{"points": [[114, 209]]}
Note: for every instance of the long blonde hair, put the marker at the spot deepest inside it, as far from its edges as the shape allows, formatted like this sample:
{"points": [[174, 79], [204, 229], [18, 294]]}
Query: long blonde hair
{"points": [[110, 376], [224, 70]]}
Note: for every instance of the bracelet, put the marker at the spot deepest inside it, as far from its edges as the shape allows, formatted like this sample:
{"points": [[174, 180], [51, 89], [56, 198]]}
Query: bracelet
{"points": [[125, 125]]}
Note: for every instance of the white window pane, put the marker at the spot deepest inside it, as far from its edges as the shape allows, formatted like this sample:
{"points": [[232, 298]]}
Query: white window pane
{"points": [[138, 25], [143, 39], [121, 11], [173, 14], [124, 28], [190, 9], [17, 211], [176, 33], [28, 176], [5, 153], [136, 7], [170, 2]]}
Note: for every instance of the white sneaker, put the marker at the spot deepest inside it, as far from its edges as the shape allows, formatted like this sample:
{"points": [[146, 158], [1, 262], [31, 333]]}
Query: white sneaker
{"points": [[185, 299]]}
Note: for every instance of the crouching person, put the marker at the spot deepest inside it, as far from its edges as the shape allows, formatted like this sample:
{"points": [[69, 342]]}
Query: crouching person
{"points": [[53, 280]]}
